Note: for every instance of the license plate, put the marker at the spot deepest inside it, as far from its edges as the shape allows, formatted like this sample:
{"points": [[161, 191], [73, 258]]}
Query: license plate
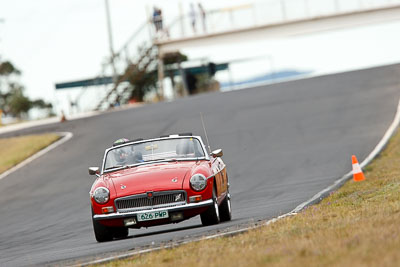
{"points": [[154, 215]]}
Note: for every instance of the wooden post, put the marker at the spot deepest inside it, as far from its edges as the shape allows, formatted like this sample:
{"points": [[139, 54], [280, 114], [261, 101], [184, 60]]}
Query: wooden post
{"points": [[183, 77], [160, 75], [230, 78]]}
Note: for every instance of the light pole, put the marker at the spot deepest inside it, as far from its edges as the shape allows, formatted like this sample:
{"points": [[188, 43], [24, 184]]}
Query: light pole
{"points": [[1, 111], [110, 40], [1, 21]]}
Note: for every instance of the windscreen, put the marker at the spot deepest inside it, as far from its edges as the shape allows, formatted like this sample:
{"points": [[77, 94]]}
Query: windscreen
{"points": [[131, 154]]}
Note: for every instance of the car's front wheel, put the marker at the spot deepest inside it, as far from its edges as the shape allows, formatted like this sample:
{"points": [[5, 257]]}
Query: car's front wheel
{"points": [[211, 215], [104, 233], [225, 209], [120, 232], [101, 232]]}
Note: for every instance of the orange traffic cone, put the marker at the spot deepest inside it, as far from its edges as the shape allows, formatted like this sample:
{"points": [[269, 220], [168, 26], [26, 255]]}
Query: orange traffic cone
{"points": [[358, 175], [63, 118]]}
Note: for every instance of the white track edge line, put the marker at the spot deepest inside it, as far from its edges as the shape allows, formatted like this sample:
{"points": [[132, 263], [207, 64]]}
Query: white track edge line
{"points": [[65, 137], [378, 148], [382, 143]]}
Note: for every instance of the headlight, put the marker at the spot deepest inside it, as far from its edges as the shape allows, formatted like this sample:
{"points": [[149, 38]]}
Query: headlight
{"points": [[198, 182], [101, 195]]}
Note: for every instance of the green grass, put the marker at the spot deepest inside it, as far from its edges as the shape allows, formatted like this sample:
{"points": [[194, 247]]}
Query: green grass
{"points": [[359, 225], [16, 149]]}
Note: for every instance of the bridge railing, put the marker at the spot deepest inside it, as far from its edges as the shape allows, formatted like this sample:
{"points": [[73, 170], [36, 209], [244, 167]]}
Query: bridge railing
{"points": [[216, 21], [261, 13]]}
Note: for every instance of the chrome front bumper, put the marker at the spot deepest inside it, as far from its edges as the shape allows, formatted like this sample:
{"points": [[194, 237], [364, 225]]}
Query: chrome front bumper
{"points": [[119, 215]]}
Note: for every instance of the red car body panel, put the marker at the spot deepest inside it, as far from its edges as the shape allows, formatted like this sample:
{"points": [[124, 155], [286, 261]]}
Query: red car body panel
{"points": [[141, 179]]}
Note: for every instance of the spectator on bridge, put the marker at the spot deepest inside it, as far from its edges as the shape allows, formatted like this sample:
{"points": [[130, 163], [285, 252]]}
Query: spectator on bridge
{"points": [[157, 19], [203, 16], [193, 17]]}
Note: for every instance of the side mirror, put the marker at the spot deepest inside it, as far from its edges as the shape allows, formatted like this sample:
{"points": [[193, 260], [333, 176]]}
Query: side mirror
{"points": [[94, 170], [217, 153]]}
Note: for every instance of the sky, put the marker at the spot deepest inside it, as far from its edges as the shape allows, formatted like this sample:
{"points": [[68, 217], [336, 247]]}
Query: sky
{"points": [[66, 40]]}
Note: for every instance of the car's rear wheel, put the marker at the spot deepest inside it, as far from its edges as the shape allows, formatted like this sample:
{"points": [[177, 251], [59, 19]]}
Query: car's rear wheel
{"points": [[225, 209], [101, 232], [211, 215]]}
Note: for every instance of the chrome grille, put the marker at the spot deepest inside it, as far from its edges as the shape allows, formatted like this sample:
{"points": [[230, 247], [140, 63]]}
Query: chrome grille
{"points": [[164, 199], [133, 203], [142, 202]]}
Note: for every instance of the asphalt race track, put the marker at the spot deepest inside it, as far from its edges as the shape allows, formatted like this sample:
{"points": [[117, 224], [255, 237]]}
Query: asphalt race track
{"points": [[282, 143]]}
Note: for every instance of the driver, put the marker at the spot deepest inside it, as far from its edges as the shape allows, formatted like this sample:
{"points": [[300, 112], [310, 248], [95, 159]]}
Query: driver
{"points": [[122, 154], [126, 155]]}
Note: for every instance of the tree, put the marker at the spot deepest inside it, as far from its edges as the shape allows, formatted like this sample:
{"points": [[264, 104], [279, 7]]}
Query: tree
{"points": [[18, 104], [7, 71], [142, 83], [7, 68], [12, 98]]}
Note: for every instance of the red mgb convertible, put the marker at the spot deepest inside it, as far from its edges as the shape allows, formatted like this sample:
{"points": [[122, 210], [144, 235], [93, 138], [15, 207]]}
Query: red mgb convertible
{"points": [[158, 181]]}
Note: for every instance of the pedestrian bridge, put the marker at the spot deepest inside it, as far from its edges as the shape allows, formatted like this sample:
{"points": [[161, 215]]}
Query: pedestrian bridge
{"points": [[146, 47], [273, 19]]}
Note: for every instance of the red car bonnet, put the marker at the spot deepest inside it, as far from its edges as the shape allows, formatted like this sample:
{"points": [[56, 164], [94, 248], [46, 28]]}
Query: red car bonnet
{"points": [[154, 177]]}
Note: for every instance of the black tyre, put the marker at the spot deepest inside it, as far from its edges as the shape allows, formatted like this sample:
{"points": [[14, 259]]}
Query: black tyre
{"points": [[120, 232], [101, 232], [225, 209], [211, 215]]}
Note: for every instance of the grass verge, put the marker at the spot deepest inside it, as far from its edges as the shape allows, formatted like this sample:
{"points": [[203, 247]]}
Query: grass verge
{"points": [[356, 226], [13, 150]]}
